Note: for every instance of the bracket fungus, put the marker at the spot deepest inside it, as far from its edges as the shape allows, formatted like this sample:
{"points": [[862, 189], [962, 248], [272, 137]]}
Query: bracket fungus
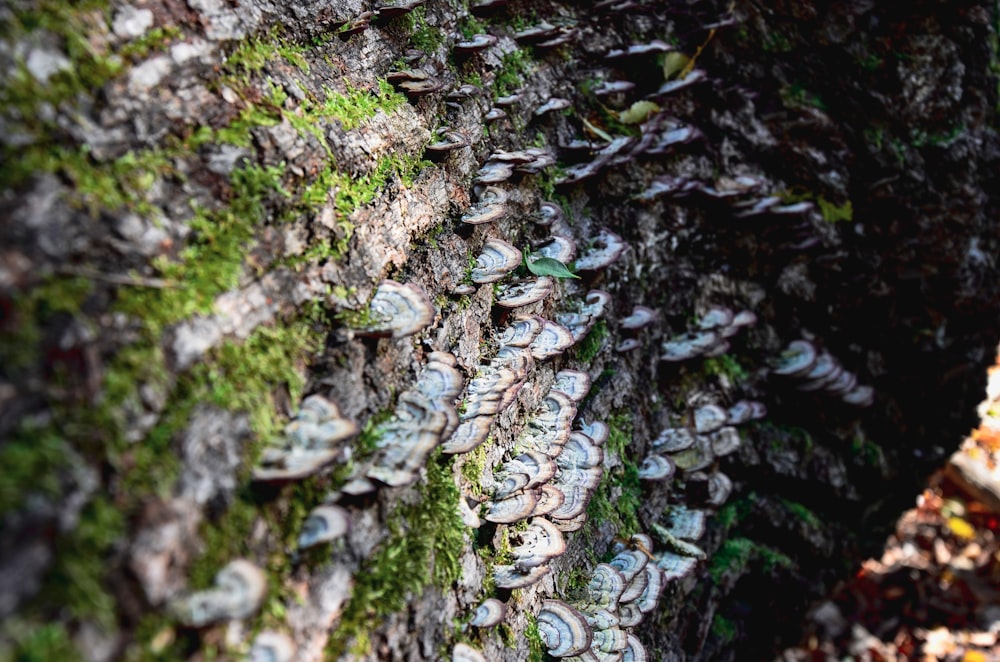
{"points": [[399, 310], [492, 206], [476, 43], [512, 576], [725, 441], [604, 249], [407, 439], [552, 340], [498, 259], [610, 640], [673, 440], [556, 248], [310, 442], [393, 9], [549, 213], [640, 317], [522, 332], [324, 524], [271, 646], [514, 508], [709, 418], [629, 563], [239, 591], [449, 140], [744, 411], [563, 629], [552, 105], [634, 651], [524, 292], [469, 435], [550, 498], [654, 47], [494, 114], [656, 468], [604, 589], [463, 652], [573, 383], [685, 523], [699, 456], [580, 452], [490, 613]]}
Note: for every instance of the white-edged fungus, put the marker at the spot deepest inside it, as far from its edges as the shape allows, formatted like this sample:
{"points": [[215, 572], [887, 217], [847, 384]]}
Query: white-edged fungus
{"points": [[656, 468], [552, 340], [654, 47], [575, 500], [552, 105], [604, 249], [490, 613], [509, 576], [725, 440], [239, 591], [498, 259], [399, 310], [646, 602], [720, 486], [522, 332], [311, 441], [697, 457], [629, 563], [860, 396], [468, 436], [324, 524], [689, 345], [674, 440], [604, 589], [563, 629], [550, 497], [513, 509], [463, 652], [674, 566], [485, 392], [271, 646], [641, 316], [601, 619], [570, 525], [634, 651], [629, 614], [574, 383], [478, 42], [797, 359], [686, 523], [580, 452], [610, 641], [744, 411], [556, 247], [525, 292], [598, 431], [548, 213], [709, 418]]}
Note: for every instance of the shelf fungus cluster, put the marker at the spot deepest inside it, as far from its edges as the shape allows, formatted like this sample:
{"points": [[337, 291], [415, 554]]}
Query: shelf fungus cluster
{"points": [[313, 439], [239, 591], [693, 449], [550, 480], [817, 370], [710, 335], [398, 310]]}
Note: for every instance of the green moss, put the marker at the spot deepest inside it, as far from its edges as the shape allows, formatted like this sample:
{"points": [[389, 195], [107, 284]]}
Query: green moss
{"points": [[588, 348], [424, 36], [536, 645], [735, 512], [619, 496], [725, 366], [734, 554], [802, 513], [473, 467], [423, 549], [30, 459], [833, 213], [510, 76], [723, 629], [34, 642], [471, 26]]}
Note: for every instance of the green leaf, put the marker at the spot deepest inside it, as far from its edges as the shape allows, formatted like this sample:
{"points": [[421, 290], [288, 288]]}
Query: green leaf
{"points": [[674, 63], [638, 112], [547, 266]]}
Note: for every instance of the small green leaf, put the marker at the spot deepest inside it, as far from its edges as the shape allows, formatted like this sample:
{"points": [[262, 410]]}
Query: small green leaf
{"points": [[596, 130], [547, 266], [674, 63], [638, 112]]}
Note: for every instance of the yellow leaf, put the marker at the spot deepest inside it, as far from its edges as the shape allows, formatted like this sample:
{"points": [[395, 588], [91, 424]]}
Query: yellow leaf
{"points": [[961, 529], [597, 131], [638, 112], [673, 63], [974, 656]]}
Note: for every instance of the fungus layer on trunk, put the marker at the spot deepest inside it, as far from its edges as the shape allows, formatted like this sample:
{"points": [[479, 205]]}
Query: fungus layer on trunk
{"points": [[239, 590], [563, 629], [399, 310]]}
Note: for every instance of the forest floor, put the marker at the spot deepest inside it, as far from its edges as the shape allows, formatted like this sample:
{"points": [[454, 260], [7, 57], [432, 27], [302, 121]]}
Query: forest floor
{"points": [[934, 595]]}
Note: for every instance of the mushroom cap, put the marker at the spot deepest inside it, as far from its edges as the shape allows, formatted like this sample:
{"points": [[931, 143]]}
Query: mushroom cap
{"points": [[449, 141], [493, 172], [604, 589], [525, 292], [640, 317], [540, 539], [860, 396], [674, 440], [513, 508], [609, 87], [570, 525], [483, 212], [485, 392], [239, 590], [725, 440], [709, 418], [522, 332], [324, 523], [463, 652], [494, 114], [688, 345], [686, 523], [634, 651], [550, 424], [440, 382], [720, 486], [654, 47], [292, 464], [550, 497], [477, 43], [629, 614], [797, 360], [549, 213], [671, 86], [610, 640], [510, 576], [598, 431], [605, 248], [400, 309], [655, 583], [563, 629], [552, 105], [695, 458], [574, 383], [580, 452], [587, 478], [636, 586], [600, 619], [656, 468], [674, 566], [491, 612], [539, 468], [510, 483], [556, 247], [498, 259], [715, 317], [575, 500], [516, 359], [468, 436], [628, 345], [743, 411], [551, 341], [629, 563], [271, 646]]}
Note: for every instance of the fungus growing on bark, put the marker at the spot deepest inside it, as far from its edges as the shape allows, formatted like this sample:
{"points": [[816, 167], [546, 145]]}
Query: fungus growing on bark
{"points": [[667, 185], [540, 540], [324, 524], [610, 640], [860, 396], [239, 590], [468, 436], [392, 9], [564, 630], [629, 563], [689, 345], [628, 345], [697, 457], [634, 651], [498, 259], [575, 498], [655, 47], [797, 359], [478, 42], [656, 468], [795, 209], [525, 292], [715, 317], [672, 86], [536, 33], [464, 91], [513, 508], [490, 613], [744, 411], [536, 467], [486, 7], [673, 440], [449, 140], [549, 213], [646, 602], [573, 524], [407, 439], [629, 614], [598, 431], [674, 566], [494, 114], [604, 589], [356, 26], [551, 341], [685, 523], [522, 332], [494, 172], [580, 452], [709, 418], [552, 105], [485, 392], [510, 576], [609, 87], [720, 486], [550, 497], [549, 427], [463, 652], [556, 248], [399, 310], [641, 316], [580, 323], [725, 441], [600, 619], [310, 442], [271, 646]]}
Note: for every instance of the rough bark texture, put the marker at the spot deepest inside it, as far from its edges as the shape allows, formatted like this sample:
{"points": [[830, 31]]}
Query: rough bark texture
{"points": [[200, 198]]}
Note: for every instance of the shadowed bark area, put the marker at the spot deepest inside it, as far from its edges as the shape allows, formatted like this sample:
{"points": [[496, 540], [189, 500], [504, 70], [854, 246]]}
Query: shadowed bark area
{"points": [[202, 203]]}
